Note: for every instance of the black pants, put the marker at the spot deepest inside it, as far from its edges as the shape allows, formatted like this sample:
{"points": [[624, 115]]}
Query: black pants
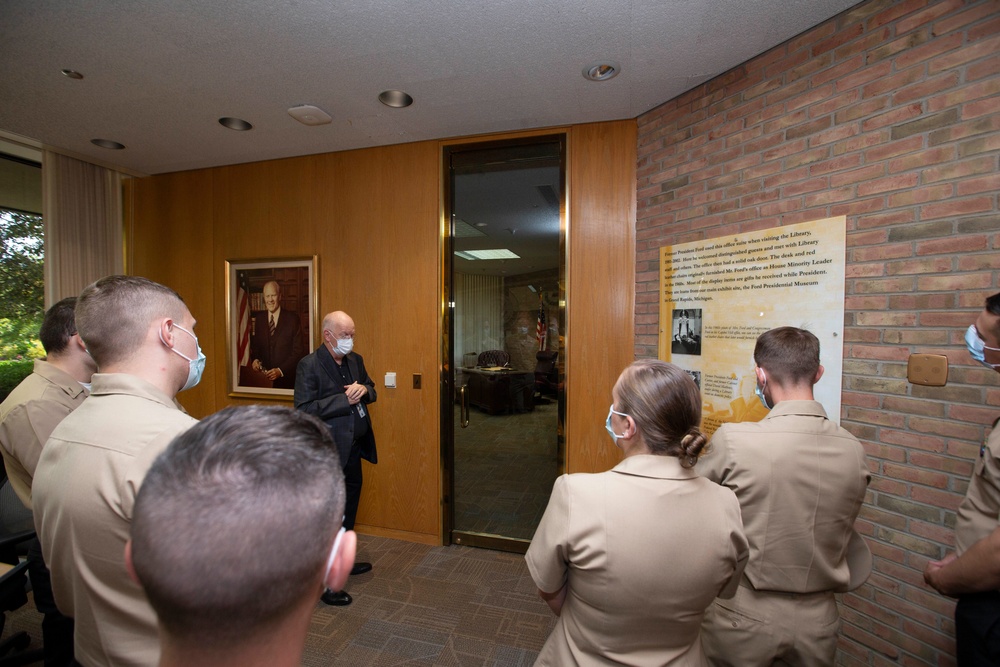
{"points": [[57, 630], [352, 485], [977, 629]]}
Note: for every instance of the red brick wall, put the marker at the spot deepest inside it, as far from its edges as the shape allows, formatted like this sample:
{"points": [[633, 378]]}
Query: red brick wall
{"points": [[889, 114]]}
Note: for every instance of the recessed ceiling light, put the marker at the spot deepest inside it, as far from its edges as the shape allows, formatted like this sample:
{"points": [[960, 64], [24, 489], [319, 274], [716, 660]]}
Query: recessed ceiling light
{"points": [[499, 253], [396, 99], [237, 124], [107, 143], [71, 73], [601, 71]]}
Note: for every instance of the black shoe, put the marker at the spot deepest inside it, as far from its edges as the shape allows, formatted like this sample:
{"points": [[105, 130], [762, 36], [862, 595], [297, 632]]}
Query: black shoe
{"points": [[361, 568], [336, 598]]}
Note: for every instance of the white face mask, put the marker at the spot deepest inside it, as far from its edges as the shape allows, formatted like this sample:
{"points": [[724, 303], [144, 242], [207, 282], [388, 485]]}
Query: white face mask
{"points": [[344, 346], [196, 366], [333, 553], [977, 347], [607, 424]]}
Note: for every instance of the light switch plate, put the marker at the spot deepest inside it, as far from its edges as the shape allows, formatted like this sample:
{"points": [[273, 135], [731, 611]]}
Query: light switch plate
{"points": [[390, 380], [930, 370]]}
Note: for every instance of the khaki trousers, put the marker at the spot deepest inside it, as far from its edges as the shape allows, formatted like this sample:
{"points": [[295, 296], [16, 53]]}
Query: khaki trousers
{"points": [[770, 628]]}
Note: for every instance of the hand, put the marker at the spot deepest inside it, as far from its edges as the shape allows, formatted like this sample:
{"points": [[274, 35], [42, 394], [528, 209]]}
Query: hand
{"points": [[355, 392], [256, 365], [932, 573], [273, 374]]}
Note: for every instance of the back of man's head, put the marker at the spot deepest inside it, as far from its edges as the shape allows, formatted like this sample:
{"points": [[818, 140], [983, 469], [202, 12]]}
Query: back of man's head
{"points": [[993, 308], [58, 326], [234, 523], [788, 355], [113, 315]]}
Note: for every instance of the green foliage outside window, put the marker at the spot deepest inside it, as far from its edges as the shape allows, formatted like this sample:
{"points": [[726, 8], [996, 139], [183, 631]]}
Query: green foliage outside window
{"points": [[22, 285]]}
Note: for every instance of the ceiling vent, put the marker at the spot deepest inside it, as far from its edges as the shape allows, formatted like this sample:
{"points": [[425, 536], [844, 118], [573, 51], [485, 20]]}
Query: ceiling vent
{"points": [[307, 114]]}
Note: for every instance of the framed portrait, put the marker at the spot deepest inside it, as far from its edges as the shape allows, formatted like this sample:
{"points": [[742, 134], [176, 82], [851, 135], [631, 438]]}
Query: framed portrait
{"points": [[270, 319]]}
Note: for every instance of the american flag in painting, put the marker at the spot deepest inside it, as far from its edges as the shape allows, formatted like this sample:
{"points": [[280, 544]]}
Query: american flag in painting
{"points": [[541, 330], [243, 318]]}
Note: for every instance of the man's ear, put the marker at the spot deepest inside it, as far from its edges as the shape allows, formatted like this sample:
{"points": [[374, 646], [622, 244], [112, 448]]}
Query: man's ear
{"points": [[340, 570], [819, 373], [129, 567], [166, 331]]}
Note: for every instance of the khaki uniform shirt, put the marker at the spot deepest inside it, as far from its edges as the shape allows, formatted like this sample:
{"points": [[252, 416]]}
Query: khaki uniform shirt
{"points": [[801, 480], [979, 513], [644, 549], [27, 417], [84, 492]]}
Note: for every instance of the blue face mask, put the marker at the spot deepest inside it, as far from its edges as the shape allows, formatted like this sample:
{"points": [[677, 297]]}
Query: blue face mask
{"points": [[607, 424], [344, 346], [196, 366], [977, 347], [759, 390]]}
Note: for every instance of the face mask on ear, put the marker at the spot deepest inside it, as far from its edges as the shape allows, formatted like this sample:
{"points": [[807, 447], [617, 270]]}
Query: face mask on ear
{"points": [[759, 390], [333, 553], [196, 366], [607, 424], [977, 347]]}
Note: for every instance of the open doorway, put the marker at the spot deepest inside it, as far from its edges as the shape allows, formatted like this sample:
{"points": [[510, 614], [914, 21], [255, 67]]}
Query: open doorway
{"points": [[502, 406]]}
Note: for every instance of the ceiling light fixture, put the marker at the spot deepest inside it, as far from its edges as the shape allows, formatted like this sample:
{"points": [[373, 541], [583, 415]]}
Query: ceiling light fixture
{"points": [[601, 71], [308, 114], [237, 124], [396, 99], [71, 73], [107, 143]]}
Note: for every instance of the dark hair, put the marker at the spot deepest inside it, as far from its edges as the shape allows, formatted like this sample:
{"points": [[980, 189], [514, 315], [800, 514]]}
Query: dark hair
{"points": [[993, 304], [788, 355], [114, 313], [666, 406], [235, 520], [58, 326]]}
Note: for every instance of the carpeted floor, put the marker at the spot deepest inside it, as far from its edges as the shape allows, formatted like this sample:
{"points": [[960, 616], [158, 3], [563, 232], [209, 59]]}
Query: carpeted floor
{"points": [[420, 605], [505, 466]]}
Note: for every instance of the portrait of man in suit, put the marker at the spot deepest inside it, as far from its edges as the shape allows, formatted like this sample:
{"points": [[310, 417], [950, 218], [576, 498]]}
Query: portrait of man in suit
{"points": [[275, 340]]}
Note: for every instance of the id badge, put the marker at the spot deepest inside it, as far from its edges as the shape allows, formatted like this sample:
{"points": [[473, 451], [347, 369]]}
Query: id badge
{"points": [[361, 409]]}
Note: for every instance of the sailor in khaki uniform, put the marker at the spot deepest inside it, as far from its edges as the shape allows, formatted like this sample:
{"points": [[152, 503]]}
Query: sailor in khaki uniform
{"points": [[972, 573], [800, 480], [55, 388], [142, 336], [629, 559]]}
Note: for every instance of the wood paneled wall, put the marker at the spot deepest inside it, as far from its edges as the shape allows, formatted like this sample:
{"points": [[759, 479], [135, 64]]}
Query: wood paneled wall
{"points": [[601, 285], [372, 217]]}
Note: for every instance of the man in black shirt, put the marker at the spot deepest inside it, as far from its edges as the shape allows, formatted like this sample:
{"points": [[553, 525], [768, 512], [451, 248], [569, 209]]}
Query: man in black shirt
{"points": [[332, 384]]}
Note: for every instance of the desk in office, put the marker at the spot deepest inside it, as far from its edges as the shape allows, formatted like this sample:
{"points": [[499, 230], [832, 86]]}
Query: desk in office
{"points": [[498, 389]]}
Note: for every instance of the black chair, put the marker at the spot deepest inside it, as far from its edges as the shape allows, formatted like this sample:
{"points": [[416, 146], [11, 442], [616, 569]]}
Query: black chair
{"points": [[17, 529], [546, 373], [491, 358]]}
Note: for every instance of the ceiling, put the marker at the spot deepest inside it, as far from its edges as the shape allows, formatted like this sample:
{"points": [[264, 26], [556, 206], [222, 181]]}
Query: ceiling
{"points": [[158, 74]]}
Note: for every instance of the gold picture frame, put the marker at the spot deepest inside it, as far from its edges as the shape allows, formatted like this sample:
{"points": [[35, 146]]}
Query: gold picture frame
{"points": [[261, 356]]}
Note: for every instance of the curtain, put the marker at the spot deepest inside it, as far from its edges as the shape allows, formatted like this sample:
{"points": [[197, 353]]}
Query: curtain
{"points": [[478, 315], [82, 210]]}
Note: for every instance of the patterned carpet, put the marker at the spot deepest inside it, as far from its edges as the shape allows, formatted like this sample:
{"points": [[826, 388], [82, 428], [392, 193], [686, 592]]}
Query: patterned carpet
{"points": [[420, 605], [505, 466]]}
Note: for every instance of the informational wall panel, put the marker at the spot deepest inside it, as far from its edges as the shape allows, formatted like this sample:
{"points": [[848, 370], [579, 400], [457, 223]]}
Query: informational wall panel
{"points": [[718, 295]]}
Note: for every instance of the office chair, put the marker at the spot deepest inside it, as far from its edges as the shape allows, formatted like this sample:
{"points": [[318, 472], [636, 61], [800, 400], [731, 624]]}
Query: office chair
{"points": [[546, 372], [16, 529], [491, 358]]}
